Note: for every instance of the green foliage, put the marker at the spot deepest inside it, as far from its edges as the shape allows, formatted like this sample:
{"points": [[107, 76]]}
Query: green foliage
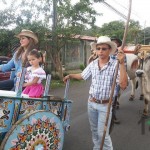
{"points": [[55, 76], [56, 84], [65, 74], [82, 67], [94, 31], [113, 28], [145, 36], [7, 42], [116, 28]]}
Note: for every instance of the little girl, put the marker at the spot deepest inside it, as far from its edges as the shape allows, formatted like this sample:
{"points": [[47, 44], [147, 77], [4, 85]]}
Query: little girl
{"points": [[34, 75]]}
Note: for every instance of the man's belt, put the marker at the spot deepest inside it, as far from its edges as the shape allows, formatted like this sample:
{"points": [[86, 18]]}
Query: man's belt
{"points": [[105, 101]]}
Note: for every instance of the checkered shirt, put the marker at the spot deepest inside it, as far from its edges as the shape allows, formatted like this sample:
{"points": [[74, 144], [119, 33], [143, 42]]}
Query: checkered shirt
{"points": [[102, 79], [114, 56]]}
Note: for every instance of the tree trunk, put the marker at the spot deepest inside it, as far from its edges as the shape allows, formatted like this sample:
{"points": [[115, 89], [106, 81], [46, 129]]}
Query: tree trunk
{"points": [[57, 64]]}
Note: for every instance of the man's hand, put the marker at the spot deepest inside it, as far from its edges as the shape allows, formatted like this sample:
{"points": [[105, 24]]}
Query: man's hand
{"points": [[19, 74], [121, 56], [66, 78]]}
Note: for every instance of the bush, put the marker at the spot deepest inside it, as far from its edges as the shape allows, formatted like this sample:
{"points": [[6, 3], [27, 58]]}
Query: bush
{"points": [[82, 67], [55, 76], [65, 74]]}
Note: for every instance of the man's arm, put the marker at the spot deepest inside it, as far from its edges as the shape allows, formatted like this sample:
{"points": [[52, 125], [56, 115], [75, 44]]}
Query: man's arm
{"points": [[73, 76], [123, 80]]}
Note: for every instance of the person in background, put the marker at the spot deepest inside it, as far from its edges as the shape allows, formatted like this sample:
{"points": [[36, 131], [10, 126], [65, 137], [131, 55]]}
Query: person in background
{"points": [[117, 89], [34, 75], [28, 41], [142, 56], [93, 53], [101, 71], [117, 41]]}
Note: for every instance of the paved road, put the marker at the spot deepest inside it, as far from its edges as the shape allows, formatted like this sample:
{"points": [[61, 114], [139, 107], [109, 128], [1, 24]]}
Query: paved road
{"points": [[126, 136]]}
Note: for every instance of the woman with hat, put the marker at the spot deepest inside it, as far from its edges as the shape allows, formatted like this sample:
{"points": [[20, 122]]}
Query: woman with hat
{"points": [[28, 41], [101, 71]]}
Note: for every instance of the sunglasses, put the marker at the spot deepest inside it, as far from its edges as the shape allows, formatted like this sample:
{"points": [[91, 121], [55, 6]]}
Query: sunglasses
{"points": [[103, 49]]}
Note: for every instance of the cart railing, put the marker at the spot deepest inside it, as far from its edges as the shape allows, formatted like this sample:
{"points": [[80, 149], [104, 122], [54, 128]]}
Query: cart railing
{"points": [[13, 108]]}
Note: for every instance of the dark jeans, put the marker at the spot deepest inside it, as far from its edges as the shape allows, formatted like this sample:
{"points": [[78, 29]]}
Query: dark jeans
{"points": [[7, 85]]}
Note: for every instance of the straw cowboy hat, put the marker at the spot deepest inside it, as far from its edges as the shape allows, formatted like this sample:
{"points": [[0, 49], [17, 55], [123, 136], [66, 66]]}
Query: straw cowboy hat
{"points": [[28, 33], [104, 40]]}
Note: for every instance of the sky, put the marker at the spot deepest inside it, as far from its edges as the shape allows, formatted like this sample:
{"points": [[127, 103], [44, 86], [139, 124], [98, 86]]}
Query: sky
{"points": [[140, 11]]}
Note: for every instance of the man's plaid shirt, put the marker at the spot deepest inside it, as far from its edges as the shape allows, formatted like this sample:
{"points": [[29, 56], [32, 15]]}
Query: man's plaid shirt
{"points": [[102, 79], [114, 56]]}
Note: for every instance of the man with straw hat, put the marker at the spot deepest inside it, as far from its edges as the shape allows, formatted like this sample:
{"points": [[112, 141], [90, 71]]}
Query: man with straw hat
{"points": [[101, 71]]}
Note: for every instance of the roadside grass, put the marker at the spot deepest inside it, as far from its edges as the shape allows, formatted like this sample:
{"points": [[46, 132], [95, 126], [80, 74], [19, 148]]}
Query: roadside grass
{"points": [[58, 83]]}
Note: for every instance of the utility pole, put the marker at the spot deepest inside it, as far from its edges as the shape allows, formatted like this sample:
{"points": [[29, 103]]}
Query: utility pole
{"points": [[54, 15], [144, 31], [54, 37]]}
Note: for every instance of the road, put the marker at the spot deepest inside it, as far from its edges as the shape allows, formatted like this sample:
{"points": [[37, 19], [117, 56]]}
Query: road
{"points": [[129, 135]]}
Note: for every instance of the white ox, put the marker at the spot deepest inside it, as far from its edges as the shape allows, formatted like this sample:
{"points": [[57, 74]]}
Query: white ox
{"points": [[145, 75], [132, 62]]}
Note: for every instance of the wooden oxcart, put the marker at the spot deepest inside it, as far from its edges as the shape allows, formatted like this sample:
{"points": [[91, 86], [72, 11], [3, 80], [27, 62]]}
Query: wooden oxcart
{"points": [[137, 49], [33, 123]]}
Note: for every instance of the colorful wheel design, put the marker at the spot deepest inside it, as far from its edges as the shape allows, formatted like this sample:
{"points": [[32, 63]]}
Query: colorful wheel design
{"points": [[39, 130]]}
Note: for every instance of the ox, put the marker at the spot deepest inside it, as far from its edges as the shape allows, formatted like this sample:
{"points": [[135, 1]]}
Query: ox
{"points": [[132, 62], [144, 74]]}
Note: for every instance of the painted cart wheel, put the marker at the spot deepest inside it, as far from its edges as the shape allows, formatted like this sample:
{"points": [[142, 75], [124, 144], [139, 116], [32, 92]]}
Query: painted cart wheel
{"points": [[39, 130]]}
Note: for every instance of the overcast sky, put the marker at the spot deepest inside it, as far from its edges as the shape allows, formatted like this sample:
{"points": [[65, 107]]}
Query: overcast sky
{"points": [[140, 11]]}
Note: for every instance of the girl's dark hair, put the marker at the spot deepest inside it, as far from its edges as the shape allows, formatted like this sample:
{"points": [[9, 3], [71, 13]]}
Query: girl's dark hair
{"points": [[37, 54], [20, 50]]}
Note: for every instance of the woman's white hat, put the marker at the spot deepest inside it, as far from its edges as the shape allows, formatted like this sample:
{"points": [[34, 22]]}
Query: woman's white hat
{"points": [[28, 33], [104, 40]]}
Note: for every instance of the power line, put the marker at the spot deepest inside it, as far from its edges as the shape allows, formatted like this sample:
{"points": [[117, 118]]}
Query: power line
{"points": [[133, 11], [121, 5], [115, 10]]}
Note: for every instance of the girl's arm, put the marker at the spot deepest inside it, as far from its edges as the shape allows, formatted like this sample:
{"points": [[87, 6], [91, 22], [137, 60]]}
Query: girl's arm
{"points": [[34, 81]]}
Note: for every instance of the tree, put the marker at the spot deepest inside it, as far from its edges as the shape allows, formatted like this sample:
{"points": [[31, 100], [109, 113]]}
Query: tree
{"points": [[71, 20], [134, 31], [114, 28], [144, 37], [94, 31], [5, 41], [21, 11]]}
